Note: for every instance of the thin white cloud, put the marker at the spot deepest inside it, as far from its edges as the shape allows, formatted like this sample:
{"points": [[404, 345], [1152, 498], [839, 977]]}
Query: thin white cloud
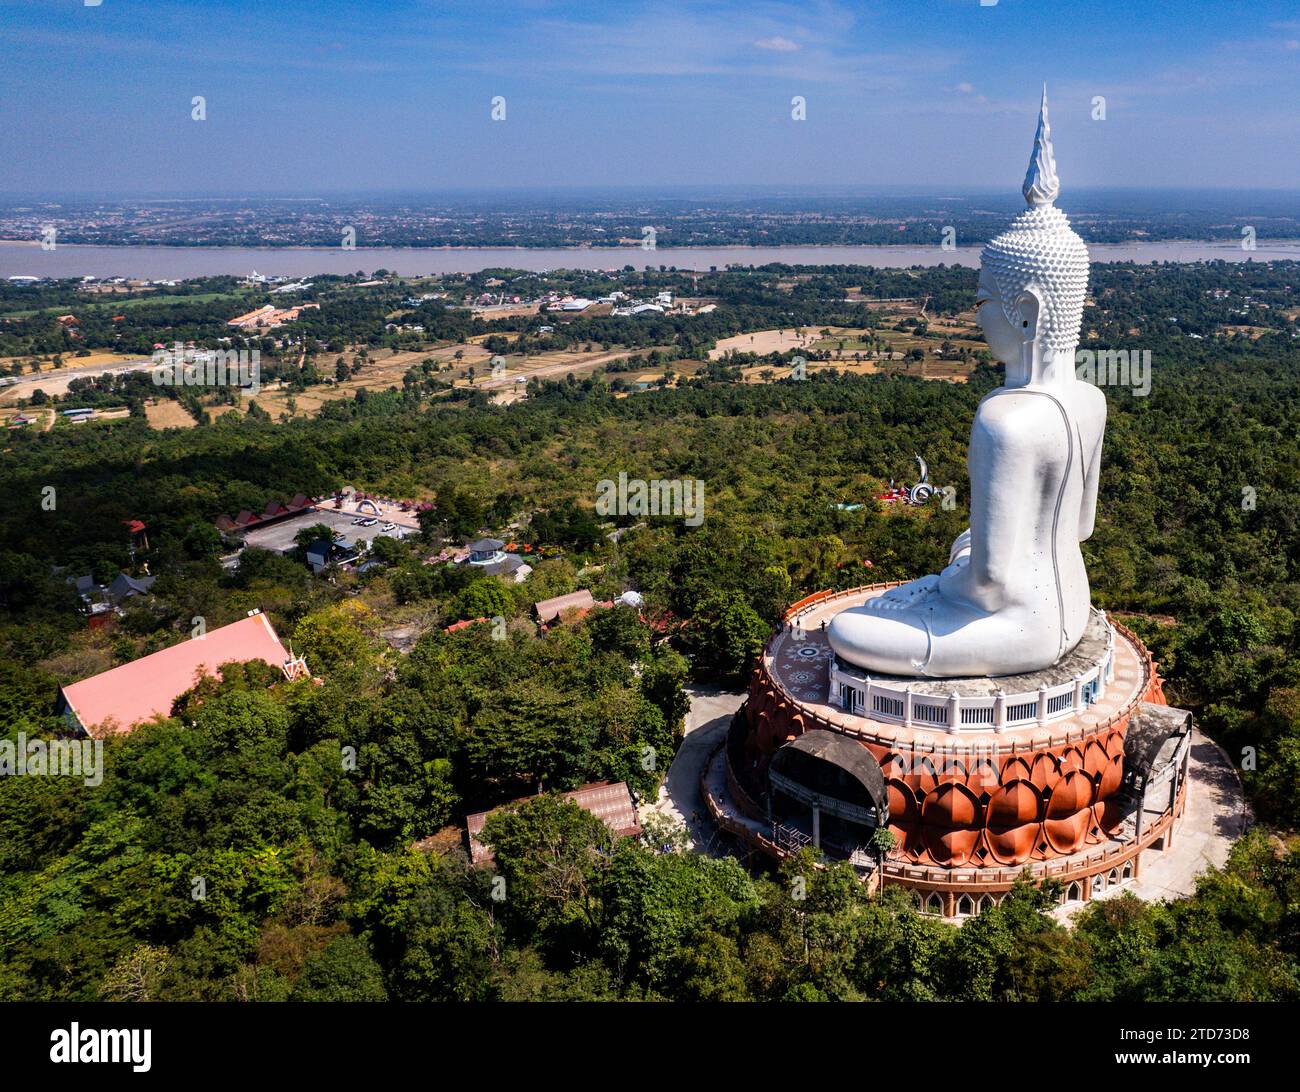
{"points": [[810, 42], [777, 44]]}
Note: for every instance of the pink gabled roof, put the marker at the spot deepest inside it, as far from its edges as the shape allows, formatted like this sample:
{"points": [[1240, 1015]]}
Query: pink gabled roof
{"points": [[146, 687]]}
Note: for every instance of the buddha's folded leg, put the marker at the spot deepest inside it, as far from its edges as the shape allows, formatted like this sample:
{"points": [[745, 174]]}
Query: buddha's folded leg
{"points": [[893, 642], [939, 638]]}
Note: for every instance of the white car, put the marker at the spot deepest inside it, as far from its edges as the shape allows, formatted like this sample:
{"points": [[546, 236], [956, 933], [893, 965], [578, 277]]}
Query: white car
{"points": [[387, 527]]}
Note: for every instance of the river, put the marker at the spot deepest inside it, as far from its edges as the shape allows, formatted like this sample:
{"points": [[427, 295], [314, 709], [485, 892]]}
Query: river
{"points": [[180, 263]]}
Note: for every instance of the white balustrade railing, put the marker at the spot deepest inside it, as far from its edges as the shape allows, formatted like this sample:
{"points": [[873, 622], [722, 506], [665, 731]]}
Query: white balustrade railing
{"points": [[864, 696]]}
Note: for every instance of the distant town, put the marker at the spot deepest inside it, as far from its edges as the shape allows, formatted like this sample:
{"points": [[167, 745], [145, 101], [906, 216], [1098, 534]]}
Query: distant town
{"points": [[709, 218]]}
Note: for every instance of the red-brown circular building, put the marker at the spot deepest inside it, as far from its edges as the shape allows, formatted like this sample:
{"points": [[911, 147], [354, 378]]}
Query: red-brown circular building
{"points": [[1069, 772]]}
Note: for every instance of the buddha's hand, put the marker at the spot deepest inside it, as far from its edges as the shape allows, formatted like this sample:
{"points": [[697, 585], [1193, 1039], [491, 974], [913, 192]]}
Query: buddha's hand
{"points": [[960, 546]]}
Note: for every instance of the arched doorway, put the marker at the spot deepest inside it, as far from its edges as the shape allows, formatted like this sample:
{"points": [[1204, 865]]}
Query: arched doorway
{"points": [[831, 789]]}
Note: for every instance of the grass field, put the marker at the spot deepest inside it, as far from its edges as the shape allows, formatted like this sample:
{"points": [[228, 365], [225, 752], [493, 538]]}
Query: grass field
{"points": [[165, 413], [104, 300], [71, 363], [386, 369], [764, 341], [882, 349]]}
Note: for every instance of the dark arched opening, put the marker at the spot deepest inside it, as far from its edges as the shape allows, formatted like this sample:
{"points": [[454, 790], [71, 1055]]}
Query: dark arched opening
{"points": [[831, 790]]}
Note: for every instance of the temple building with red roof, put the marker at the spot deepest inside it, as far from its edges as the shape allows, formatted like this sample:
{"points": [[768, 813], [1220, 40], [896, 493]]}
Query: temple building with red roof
{"points": [[116, 701]]}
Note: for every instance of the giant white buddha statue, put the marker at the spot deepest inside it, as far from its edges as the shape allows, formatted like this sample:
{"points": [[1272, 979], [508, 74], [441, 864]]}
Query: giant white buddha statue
{"points": [[1014, 596]]}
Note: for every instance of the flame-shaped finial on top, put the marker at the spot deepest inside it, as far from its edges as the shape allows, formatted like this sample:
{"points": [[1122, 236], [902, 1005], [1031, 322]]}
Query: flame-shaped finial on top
{"points": [[1041, 184]]}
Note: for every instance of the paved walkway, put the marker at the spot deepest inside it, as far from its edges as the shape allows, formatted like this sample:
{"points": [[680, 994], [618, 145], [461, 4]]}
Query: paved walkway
{"points": [[1216, 816], [679, 796]]}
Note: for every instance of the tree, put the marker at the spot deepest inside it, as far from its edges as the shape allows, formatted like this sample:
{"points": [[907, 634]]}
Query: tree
{"points": [[526, 735], [460, 511], [137, 976], [331, 639], [242, 718], [343, 971], [619, 630], [484, 598], [727, 635], [552, 855], [304, 538]]}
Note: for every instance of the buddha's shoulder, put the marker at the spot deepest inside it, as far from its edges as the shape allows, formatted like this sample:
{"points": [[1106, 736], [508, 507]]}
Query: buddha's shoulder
{"points": [[1091, 398], [1021, 418], [1016, 404], [1010, 407]]}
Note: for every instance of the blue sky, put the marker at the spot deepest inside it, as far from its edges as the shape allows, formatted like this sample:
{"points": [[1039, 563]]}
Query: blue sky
{"points": [[321, 96]]}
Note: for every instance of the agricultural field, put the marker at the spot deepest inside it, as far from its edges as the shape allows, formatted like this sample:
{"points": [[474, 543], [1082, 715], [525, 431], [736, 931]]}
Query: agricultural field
{"points": [[166, 413], [54, 380], [466, 365], [867, 351], [764, 341], [542, 366], [94, 358]]}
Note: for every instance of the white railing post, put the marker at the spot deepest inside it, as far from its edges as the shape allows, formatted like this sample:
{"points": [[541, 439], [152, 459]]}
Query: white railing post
{"points": [[1042, 705], [954, 711], [1000, 710], [907, 707]]}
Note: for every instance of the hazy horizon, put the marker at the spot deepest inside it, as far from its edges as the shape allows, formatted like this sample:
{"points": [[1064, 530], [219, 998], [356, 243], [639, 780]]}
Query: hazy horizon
{"points": [[682, 191]]}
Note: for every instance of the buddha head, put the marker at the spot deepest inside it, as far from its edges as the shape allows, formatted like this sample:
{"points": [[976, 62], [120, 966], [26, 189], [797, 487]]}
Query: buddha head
{"points": [[1033, 279]]}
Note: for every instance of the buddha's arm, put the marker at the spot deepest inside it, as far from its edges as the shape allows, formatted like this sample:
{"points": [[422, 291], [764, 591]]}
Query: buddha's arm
{"points": [[1088, 504], [1004, 469], [960, 546]]}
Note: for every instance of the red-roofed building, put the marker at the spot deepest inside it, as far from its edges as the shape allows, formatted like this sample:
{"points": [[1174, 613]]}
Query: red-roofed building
{"points": [[274, 512], [610, 802], [117, 700], [567, 608], [139, 539]]}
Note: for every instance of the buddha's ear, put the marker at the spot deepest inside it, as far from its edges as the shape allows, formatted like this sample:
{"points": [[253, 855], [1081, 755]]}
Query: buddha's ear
{"points": [[1029, 305]]}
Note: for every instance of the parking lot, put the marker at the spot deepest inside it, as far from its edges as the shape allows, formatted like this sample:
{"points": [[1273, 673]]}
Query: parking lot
{"points": [[279, 537]]}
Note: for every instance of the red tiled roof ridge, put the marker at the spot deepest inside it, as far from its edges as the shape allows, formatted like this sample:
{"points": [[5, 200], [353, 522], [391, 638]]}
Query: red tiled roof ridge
{"points": [[609, 801]]}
